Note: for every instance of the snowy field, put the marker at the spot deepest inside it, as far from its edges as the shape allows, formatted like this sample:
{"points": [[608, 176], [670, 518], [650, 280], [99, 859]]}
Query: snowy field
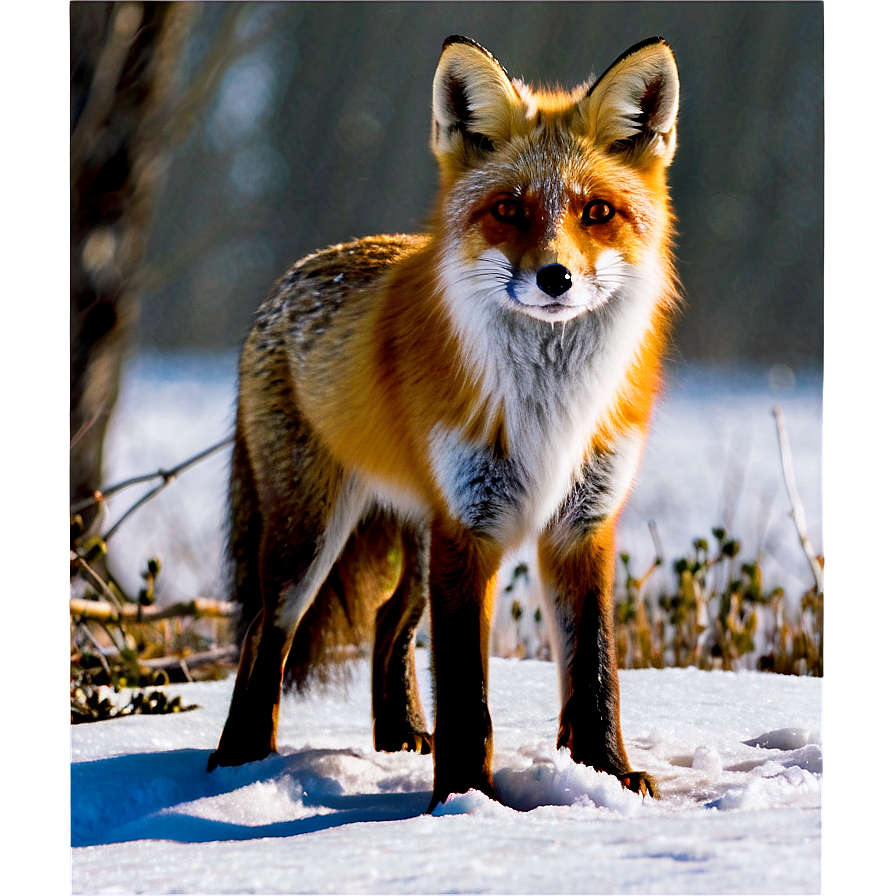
{"points": [[711, 459], [737, 756]]}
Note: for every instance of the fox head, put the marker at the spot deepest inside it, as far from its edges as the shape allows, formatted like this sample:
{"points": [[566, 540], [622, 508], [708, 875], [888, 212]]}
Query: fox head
{"points": [[553, 202]]}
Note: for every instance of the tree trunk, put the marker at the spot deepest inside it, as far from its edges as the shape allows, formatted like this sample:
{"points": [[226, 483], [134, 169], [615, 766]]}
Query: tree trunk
{"points": [[123, 58]]}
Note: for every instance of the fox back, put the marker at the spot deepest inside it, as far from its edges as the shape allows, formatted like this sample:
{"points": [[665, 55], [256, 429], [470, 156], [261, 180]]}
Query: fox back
{"points": [[440, 398]]}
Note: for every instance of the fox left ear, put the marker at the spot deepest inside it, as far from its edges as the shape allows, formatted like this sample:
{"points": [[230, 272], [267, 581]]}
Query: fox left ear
{"points": [[474, 102], [633, 106]]}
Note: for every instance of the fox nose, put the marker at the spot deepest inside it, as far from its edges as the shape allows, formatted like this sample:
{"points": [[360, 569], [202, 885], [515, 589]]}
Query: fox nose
{"points": [[554, 279]]}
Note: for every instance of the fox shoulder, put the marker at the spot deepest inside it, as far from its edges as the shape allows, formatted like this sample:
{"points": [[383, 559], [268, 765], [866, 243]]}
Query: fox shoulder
{"points": [[323, 304], [342, 270]]}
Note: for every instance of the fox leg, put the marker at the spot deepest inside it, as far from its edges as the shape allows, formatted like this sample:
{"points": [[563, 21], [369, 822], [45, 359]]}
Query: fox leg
{"points": [[463, 570], [579, 581], [398, 720], [294, 565], [250, 732], [577, 558]]}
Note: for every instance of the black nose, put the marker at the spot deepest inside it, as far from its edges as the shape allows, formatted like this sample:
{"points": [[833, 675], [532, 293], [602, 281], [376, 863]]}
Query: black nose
{"points": [[554, 279]]}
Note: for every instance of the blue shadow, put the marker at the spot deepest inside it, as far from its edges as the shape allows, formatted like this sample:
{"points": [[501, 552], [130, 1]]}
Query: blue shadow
{"points": [[134, 797]]}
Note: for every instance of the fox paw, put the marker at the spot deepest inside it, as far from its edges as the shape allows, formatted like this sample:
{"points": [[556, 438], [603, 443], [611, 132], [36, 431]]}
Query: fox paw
{"points": [[408, 742], [640, 782]]}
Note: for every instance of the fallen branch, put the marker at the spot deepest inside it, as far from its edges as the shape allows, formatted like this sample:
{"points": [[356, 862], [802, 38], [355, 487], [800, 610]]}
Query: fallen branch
{"points": [[104, 611], [799, 517], [215, 655]]}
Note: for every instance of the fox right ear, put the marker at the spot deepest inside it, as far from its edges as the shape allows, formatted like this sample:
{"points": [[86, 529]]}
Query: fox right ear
{"points": [[633, 106], [473, 102]]}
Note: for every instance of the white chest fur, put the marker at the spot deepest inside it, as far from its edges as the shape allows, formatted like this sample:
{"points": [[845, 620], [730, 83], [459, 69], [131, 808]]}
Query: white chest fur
{"points": [[551, 384]]}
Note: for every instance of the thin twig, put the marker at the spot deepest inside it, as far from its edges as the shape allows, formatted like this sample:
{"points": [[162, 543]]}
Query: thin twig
{"points": [[148, 496], [799, 517], [95, 579], [113, 638], [165, 475], [639, 583], [85, 426], [655, 535], [99, 650], [657, 557], [184, 668]]}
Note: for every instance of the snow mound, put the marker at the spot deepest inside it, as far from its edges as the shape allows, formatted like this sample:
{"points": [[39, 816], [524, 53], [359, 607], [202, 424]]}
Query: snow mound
{"points": [[783, 739], [551, 778], [773, 788], [470, 803]]}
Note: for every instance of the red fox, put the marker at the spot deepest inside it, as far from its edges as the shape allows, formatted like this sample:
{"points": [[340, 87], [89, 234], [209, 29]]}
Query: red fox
{"points": [[411, 408]]}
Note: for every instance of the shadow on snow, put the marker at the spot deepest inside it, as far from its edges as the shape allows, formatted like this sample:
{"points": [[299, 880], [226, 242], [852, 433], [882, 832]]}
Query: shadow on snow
{"points": [[135, 797]]}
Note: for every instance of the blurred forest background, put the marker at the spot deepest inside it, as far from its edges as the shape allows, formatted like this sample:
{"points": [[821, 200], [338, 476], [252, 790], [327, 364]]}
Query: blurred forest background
{"points": [[318, 131], [288, 126]]}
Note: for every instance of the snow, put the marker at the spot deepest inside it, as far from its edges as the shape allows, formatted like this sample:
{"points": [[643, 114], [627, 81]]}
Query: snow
{"points": [[738, 758]]}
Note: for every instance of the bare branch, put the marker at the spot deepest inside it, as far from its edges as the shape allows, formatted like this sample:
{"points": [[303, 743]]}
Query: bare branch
{"points": [[85, 426], [95, 579], [165, 475], [799, 517], [102, 611], [216, 655], [99, 650], [148, 496]]}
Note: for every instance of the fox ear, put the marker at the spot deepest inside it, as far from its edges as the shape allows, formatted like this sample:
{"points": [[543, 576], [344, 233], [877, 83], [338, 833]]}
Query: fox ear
{"points": [[633, 106], [473, 101]]}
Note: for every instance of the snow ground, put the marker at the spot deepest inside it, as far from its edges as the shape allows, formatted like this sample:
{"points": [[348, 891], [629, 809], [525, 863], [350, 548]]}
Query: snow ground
{"points": [[738, 758]]}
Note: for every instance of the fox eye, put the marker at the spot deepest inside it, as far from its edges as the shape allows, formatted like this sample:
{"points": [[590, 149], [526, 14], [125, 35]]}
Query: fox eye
{"points": [[509, 211], [597, 212]]}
